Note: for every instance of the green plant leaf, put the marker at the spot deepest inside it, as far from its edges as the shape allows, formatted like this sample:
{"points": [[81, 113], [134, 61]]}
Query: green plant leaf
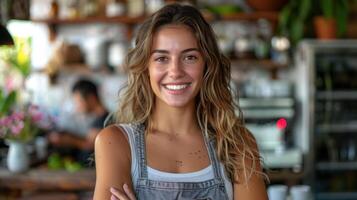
{"points": [[1, 96], [327, 7], [341, 17], [297, 31], [7, 103], [293, 17], [283, 19], [304, 9]]}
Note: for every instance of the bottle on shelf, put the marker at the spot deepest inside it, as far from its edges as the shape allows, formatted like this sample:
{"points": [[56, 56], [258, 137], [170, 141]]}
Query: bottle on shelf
{"points": [[115, 8], [88, 8], [136, 8], [54, 11], [262, 44]]}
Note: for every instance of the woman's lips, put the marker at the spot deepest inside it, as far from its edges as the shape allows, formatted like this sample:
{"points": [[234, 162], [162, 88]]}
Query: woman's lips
{"points": [[176, 88]]}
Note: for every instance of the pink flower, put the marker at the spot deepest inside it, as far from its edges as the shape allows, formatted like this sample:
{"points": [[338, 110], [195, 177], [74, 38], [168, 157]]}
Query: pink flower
{"points": [[17, 128], [30, 119], [37, 117], [35, 113], [6, 121], [18, 116], [2, 122], [9, 84]]}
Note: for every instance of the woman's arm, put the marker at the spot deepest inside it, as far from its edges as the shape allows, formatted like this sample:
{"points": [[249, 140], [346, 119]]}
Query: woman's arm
{"points": [[255, 190], [255, 187], [113, 162]]}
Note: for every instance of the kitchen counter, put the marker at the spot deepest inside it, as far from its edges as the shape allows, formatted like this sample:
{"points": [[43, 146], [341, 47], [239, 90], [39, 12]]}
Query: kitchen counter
{"points": [[44, 179]]}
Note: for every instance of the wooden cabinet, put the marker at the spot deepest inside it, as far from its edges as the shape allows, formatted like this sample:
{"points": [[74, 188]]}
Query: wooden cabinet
{"points": [[131, 22], [47, 183]]}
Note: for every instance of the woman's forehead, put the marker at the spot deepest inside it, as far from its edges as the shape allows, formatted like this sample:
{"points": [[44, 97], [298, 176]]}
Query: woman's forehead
{"points": [[174, 36]]}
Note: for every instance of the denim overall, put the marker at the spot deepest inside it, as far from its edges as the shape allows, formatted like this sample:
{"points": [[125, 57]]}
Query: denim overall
{"points": [[146, 189]]}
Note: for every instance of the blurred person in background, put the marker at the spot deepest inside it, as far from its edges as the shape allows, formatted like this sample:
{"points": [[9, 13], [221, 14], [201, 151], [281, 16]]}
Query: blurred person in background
{"points": [[87, 101]]}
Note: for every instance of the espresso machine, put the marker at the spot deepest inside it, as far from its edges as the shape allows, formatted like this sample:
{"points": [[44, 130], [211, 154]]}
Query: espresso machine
{"points": [[269, 111]]}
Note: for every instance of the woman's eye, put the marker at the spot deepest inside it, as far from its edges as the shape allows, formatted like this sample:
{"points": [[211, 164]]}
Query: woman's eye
{"points": [[191, 58], [161, 59]]}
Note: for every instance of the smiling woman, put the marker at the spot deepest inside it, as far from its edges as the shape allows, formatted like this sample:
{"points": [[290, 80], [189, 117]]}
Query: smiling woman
{"points": [[176, 66], [177, 135]]}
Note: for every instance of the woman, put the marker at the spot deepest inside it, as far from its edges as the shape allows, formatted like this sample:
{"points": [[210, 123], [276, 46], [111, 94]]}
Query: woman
{"points": [[179, 137]]}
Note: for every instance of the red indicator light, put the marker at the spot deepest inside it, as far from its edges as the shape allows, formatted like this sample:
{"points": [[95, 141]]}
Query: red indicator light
{"points": [[281, 123]]}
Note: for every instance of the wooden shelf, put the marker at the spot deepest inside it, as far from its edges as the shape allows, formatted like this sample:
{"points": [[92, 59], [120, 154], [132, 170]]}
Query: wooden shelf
{"points": [[262, 63], [272, 16], [119, 19], [284, 174], [44, 179], [131, 21]]}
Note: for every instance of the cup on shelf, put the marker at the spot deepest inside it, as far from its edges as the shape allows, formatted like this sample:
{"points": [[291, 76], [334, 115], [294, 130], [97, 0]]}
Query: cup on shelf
{"points": [[115, 8], [41, 145], [277, 192], [300, 192]]}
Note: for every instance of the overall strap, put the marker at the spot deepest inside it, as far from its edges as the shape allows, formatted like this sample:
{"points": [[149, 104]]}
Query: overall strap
{"points": [[210, 143], [139, 130]]}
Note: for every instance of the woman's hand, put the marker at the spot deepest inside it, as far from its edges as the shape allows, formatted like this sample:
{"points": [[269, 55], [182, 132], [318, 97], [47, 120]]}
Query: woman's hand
{"points": [[118, 195]]}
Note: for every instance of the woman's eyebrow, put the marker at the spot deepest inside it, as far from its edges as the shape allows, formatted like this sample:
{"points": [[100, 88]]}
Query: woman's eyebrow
{"points": [[167, 52], [160, 51], [190, 49]]}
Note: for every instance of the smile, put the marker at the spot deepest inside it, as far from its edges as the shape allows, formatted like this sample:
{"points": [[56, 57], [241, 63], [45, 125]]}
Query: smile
{"points": [[177, 87]]}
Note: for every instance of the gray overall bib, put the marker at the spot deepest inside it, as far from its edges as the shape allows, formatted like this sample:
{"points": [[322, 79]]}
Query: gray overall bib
{"points": [[213, 189]]}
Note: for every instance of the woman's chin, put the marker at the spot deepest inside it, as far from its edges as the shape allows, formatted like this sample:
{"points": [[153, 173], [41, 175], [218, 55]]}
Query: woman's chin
{"points": [[177, 103]]}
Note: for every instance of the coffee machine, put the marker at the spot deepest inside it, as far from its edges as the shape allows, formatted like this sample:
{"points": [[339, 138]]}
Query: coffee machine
{"points": [[269, 113]]}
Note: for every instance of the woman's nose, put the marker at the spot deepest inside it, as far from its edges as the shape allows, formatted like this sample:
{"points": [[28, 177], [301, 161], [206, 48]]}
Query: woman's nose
{"points": [[175, 69]]}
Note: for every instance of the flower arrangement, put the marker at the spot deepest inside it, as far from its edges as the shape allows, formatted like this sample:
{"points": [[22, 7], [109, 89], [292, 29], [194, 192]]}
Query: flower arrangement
{"points": [[18, 123], [23, 125], [14, 69]]}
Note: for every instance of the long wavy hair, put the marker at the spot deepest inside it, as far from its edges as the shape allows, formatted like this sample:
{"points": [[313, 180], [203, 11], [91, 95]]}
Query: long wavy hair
{"points": [[216, 110]]}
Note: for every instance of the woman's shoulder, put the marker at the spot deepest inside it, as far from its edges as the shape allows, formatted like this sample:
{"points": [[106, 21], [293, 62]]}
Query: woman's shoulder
{"points": [[110, 132], [112, 160], [112, 138]]}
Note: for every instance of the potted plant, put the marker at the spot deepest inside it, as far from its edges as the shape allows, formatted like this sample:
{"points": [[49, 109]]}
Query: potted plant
{"points": [[19, 127], [293, 18], [331, 22]]}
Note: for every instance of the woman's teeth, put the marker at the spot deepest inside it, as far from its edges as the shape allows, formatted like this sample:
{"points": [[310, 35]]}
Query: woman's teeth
{"points": [[176, 87]]}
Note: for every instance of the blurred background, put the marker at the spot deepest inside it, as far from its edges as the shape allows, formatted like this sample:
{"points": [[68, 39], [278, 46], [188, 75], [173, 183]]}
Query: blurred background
{"points": [[294, 68]]}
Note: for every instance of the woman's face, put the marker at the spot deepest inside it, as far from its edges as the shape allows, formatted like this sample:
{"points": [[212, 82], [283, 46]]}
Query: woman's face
{"points": [[176, 66]]}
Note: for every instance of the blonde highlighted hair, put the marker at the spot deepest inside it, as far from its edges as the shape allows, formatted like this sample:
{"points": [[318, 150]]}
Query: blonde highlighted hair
{"points": [[216, 109]]}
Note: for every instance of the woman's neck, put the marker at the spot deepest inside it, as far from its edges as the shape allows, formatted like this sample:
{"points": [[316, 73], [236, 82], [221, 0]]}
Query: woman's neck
{"points": [[174, 120]]}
